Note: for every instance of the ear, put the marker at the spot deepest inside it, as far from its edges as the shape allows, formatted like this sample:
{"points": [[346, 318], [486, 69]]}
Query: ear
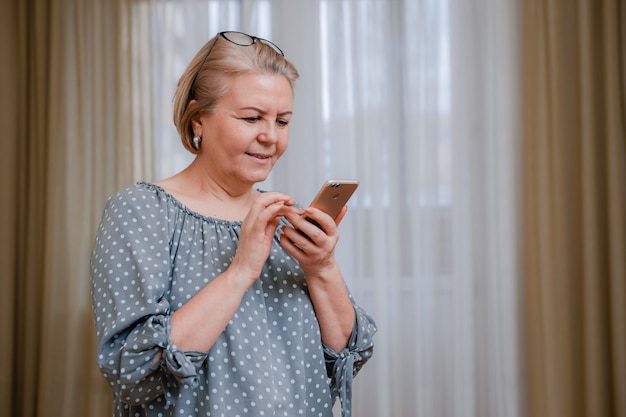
{"points": [[196, 120]]}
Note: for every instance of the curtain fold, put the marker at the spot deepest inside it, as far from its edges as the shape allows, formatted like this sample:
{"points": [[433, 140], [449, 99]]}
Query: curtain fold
{"points": [[24, 148], [9, 53], [76, 127], [575, 206]]}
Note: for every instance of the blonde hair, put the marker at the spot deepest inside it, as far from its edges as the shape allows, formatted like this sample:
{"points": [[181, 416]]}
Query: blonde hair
{"points": [[207, 85]]}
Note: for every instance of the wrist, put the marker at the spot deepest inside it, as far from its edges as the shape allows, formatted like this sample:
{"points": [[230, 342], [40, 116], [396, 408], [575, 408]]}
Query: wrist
{"points": [[239, 277], [324, 274]]}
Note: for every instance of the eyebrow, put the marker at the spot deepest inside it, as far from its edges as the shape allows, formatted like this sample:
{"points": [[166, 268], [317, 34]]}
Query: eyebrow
{"points": [[264, 112]]}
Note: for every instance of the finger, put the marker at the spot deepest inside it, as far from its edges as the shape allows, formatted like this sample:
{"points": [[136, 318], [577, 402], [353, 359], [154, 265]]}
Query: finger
{"points": [[304, 233], [290, 246], [266, 207], [301, 237], [341, 215], [321, 219], [270, 198]]}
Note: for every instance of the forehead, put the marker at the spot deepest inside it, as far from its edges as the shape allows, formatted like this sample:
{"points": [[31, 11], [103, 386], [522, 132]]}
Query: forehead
{"points": [[256, 86]]}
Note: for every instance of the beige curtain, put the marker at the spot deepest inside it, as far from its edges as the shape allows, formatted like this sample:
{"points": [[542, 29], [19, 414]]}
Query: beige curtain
{"points": [[575, 207], [73, 77]]}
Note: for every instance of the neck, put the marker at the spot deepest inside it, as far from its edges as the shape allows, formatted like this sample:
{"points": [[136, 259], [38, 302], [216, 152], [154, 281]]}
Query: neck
{"points": [[204, 194]]}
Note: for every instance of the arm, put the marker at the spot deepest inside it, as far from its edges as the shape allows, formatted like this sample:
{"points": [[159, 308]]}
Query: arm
{"points": [[346, 329], [130, 310], [221, 297], [142, 344], [314, 249]]}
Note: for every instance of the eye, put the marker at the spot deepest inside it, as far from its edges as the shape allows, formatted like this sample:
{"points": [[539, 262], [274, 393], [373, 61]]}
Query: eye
{"points": [[282, 122], [253, 119]]}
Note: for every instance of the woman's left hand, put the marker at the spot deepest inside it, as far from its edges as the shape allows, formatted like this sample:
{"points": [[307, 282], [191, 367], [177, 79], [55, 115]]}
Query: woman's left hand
{"points": [[312, 246]]}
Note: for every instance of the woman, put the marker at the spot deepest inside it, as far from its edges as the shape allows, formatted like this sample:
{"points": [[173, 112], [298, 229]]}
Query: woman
{"points": [[212, 297]]}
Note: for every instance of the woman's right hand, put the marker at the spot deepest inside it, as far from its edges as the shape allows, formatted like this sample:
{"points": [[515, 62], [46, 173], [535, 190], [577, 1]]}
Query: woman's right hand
{"points": [[220, 298], [257, 233]]}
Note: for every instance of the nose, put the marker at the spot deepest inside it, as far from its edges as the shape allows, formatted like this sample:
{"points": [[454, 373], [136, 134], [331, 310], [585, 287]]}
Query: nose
{"points": [[269, 133]]}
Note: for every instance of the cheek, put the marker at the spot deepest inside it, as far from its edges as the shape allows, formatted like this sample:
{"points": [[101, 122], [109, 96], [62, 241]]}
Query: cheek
{"points": [[281, 145]]}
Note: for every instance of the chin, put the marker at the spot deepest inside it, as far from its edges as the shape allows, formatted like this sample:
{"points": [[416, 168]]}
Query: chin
{"points": [[254, 179], [261, 175]]}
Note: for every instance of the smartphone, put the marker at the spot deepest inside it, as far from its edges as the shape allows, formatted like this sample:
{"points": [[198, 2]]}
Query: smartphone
{"points": [[332, 196]]}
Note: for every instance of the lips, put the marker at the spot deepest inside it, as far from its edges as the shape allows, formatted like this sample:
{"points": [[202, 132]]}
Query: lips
{"points": [[259, 155]]}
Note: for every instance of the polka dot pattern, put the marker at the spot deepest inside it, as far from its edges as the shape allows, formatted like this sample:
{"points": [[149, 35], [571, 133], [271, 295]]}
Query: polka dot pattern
{"points": [[150, 256]]}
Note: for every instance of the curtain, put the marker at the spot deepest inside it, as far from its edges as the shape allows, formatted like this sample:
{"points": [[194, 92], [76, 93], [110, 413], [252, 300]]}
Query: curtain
{"points": [[575, 207], [421, 101], [76, 126]]}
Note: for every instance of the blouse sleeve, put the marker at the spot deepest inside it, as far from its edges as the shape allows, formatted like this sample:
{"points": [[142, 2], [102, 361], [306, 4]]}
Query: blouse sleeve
{"points": [[343, 366], [130, 276]]}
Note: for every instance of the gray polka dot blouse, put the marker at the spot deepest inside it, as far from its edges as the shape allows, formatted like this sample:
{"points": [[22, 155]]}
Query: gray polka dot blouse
{"points": [[151, 255]]}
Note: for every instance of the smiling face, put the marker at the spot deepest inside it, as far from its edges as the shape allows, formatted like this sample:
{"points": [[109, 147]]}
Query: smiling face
{"points": [[248, 131]]}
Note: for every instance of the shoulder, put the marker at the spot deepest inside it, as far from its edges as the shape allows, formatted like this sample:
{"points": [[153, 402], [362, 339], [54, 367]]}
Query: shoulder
{"points": [[136, 193], [137, 207], [140, 197]]}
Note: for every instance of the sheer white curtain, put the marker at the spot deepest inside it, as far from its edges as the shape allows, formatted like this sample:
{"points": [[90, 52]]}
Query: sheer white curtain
{"points": [[417, 99]]}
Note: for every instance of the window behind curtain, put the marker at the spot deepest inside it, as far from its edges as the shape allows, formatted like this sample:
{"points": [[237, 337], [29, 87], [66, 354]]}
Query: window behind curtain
{"points": [[416, 99]]}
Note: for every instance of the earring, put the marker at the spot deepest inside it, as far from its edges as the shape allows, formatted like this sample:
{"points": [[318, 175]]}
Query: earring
{"points": [[196, 141]]}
